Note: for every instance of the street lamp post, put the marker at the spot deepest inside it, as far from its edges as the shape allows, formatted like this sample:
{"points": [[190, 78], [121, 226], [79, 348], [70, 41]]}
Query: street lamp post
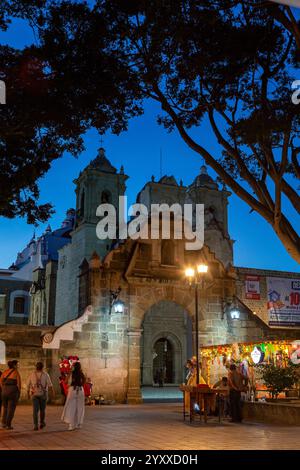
{"points": [[195, 276], [197, 332]]}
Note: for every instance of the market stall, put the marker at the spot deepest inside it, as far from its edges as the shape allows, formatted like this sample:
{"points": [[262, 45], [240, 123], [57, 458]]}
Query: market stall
{"points": [[215, 361]]}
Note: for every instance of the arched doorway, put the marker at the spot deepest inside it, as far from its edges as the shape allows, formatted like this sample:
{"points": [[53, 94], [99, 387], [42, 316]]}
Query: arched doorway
{"points": [[166, 343], [163, 362]]}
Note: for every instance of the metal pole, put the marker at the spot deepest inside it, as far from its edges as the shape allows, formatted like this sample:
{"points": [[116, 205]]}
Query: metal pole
{"points": [[197, 333]]}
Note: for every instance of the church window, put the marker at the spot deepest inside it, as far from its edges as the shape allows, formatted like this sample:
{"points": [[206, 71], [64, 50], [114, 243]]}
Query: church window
{"points": [[19, 305], [167, 253], [210, 213], [105, 197]]}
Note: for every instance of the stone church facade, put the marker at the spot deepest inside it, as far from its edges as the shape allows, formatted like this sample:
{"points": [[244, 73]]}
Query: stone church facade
{"points": [[124, 350], [99, 183]]}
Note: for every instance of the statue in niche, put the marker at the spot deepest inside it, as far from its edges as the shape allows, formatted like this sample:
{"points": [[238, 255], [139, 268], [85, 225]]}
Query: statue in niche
{"points": [[105, 197], [210, 218]]}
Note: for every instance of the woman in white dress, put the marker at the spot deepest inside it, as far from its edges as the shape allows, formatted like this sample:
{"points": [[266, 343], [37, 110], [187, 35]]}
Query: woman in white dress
{"points": [[73, 412]]}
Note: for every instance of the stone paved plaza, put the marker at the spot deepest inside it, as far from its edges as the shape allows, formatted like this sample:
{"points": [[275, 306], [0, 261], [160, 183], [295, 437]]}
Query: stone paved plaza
{"points": [[144, 427]]}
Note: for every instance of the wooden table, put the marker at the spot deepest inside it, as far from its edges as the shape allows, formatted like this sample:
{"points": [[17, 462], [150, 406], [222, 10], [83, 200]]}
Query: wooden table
{"points": [[199, 395]]}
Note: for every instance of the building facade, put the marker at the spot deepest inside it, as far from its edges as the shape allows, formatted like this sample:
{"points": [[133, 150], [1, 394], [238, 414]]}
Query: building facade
{"points": [[14, 298], [32, 277], [123, 349]]}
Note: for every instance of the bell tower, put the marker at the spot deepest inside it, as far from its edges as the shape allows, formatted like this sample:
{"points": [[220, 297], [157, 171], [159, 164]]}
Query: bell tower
{"points": [[204, 190], [98, 183]]}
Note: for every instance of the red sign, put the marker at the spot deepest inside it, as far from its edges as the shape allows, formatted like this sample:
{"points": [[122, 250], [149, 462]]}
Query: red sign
{"points": [[252, 287]]}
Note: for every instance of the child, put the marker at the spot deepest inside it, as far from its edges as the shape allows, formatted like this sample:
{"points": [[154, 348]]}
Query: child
{"points": [[88, 390], [63, 382]]}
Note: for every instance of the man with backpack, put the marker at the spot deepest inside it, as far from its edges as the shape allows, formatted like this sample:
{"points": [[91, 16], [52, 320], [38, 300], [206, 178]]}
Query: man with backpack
{"points": [[38, 384]]}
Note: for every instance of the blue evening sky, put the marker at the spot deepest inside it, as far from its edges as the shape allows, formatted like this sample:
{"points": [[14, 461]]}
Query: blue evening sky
{"points": [[256, 245]]}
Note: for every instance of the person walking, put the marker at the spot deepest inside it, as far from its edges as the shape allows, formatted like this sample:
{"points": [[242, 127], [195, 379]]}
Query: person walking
{"points": [[236, 386], [38, 384], [10, 382], [161, 377], [73, 412]]}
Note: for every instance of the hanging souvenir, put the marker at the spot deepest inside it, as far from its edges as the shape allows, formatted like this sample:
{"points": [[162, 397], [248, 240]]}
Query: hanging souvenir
{"points": [[256, 355]]}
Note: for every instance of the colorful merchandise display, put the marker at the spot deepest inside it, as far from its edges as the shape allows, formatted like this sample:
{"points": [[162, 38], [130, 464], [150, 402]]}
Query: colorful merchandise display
{"points": [[215, 360]]}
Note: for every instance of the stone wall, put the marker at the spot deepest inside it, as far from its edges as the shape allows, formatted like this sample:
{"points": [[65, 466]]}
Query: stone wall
{"points": [[67, 283], [24, 343], [285, 414], [102, 347]]}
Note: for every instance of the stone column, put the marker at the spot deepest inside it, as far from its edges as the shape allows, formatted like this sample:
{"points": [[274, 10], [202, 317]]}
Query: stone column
{"points": [[134, 396]]}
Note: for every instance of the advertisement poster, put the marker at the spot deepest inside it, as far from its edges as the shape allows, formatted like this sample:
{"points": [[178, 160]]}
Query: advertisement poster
{"points": [[283, 301], [252, 287]]}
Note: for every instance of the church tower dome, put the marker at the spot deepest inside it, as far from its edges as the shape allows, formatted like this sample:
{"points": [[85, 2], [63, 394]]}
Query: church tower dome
{"points": [[204, 180], [102, 163]]}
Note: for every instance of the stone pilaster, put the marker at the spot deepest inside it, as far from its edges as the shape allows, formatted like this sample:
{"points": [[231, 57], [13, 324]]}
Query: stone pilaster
{"points": [[134, 396]]}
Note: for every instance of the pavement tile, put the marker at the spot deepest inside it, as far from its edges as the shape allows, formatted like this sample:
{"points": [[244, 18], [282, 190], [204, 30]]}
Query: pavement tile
{"points": [[143, 427]]}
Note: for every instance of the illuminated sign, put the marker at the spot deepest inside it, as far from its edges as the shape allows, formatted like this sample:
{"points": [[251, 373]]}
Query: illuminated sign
{"points": [[256, 355]]}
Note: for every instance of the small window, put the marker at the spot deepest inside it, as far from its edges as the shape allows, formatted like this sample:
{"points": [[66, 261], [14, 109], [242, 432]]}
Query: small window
{"points": [[19, 305], [105, 197]]}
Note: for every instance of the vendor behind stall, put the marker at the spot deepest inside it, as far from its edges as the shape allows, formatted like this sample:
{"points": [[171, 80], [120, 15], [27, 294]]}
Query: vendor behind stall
{"points": [[223, 401], [236, 382]]}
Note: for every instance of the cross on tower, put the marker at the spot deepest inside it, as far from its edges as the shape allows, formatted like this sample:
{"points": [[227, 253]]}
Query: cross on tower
{"points": [[101, 141]]}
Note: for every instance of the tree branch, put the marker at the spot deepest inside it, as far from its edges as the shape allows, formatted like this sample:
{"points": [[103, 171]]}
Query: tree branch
{"points": [[244, 172], [296, 164], [288, 22], [231, 182]]}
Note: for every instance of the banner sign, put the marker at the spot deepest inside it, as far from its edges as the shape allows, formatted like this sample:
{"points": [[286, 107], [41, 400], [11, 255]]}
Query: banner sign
{"points": [[252, 287], [283, 301]]}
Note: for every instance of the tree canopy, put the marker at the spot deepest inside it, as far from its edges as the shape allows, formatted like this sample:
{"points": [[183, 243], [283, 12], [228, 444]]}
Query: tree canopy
{"points": [[57, 88], [230, 63]]}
